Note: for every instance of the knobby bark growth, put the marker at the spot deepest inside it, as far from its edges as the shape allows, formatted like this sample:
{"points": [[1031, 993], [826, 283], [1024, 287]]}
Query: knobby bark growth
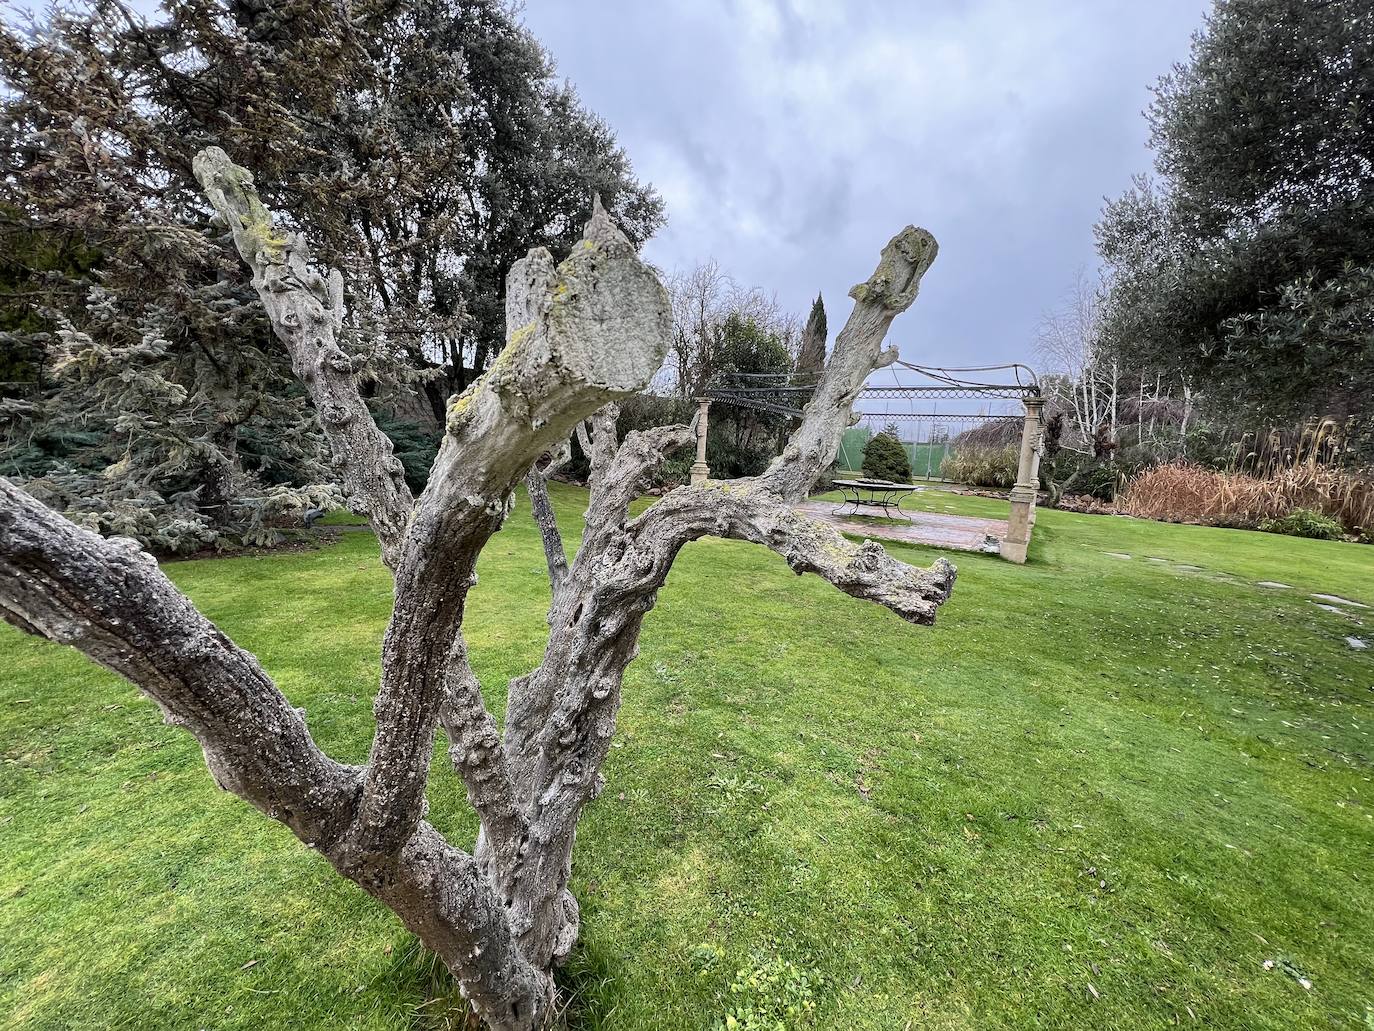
{"points": [[581, 335]]}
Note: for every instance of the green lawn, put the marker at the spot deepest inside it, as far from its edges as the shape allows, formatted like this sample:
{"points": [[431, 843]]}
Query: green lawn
{"points": [[1102, 792]]}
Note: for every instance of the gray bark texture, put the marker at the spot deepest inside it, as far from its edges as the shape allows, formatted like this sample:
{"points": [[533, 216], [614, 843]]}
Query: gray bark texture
{"points": [[581, 335]]}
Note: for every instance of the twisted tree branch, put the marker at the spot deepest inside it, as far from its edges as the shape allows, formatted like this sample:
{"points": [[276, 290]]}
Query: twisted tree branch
{"points": [[306, 311], [562, 716], [109, 600], [598, 331]]}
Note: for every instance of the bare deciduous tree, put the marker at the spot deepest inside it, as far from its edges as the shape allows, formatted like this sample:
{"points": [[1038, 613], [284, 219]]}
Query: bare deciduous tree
{"points": [[580, 335], [1070, 341], [702, 300]]}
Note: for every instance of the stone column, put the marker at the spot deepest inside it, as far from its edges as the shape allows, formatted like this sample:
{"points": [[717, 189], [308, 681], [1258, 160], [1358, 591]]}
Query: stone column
{"points": [[1035, 466], [700, 470], [1024, 493]]}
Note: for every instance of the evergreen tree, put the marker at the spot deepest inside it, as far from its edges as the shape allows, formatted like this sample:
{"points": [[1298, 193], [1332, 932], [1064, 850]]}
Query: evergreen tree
{"points": [[812, 357], [886, 459], [1245, 264], [423, 144]]}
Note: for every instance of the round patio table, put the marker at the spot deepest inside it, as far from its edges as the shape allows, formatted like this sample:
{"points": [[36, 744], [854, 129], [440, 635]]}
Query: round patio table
{"points": [[880, 494]]}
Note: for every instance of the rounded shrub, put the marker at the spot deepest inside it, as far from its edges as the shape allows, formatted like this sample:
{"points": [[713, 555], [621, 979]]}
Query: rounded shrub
{"points": [[886, 459]]}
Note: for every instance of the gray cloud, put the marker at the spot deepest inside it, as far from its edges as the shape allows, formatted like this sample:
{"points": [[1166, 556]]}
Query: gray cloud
{"points": [[792, 138]]}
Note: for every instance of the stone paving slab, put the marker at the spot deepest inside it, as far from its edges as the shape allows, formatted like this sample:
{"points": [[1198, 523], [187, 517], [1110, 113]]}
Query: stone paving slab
{"points": [[939, 530]]}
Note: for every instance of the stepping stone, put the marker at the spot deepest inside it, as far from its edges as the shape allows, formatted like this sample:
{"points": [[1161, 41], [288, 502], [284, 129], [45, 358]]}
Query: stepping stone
{"points": [[1333, 608], [1163, 560], [1356, 643], [1274, 585], [1336, 599], [1189, 569], [1116, 554]]}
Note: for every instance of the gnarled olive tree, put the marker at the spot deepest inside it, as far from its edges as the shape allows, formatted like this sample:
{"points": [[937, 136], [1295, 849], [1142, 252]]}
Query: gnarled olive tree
{"points": [[582, 334]]}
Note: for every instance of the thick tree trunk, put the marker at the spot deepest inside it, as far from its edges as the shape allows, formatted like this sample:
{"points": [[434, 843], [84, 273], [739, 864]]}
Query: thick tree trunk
{"points": [[581, 335]]}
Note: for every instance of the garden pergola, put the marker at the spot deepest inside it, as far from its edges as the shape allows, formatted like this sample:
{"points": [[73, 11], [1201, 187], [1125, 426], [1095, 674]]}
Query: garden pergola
{"points": [[787, 394]]}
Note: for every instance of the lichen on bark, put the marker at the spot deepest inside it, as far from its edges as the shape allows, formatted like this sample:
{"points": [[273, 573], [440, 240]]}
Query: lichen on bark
{"points": [[581, 335]]}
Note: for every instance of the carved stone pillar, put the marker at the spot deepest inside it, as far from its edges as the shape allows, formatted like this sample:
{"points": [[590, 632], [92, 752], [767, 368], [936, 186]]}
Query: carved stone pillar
{"points": [[1023, 495], [700, 470], [1035, 467]]}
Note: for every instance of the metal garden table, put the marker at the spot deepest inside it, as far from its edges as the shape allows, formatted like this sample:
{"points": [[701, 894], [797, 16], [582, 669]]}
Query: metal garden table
{"points": [[880, 494]]}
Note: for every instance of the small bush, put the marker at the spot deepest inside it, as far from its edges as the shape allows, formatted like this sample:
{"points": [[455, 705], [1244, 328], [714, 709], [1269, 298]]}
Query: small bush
{"points": [[886, 459], [1303, 522], [1095, 480]]}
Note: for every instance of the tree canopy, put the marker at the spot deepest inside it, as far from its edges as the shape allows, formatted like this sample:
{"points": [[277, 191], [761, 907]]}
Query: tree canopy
{"points": [[425, 145], [1244, 263]]}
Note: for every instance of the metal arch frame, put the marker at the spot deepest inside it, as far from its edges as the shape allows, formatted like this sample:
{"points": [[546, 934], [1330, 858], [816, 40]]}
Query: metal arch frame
{"points": [[942, 416], [756, 402], [770, 391], [1027, 383], [788, 393]]}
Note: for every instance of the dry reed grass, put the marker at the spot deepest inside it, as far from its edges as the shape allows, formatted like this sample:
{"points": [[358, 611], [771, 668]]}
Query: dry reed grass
{"points": [[1271, 476], [1181, 492]]}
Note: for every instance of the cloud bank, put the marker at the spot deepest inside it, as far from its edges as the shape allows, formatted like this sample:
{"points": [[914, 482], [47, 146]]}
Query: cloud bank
{"points": [[792, 138]]}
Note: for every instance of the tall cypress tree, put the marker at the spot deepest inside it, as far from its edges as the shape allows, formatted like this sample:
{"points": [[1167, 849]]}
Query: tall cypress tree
{"points": [[811, 359]]}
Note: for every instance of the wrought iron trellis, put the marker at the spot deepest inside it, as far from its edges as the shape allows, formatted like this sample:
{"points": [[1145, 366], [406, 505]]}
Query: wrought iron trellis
{"points": [[787, 393]]}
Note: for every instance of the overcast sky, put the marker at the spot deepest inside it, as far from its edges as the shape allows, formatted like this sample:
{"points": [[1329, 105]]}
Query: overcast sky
{"points": [[792, 138]]}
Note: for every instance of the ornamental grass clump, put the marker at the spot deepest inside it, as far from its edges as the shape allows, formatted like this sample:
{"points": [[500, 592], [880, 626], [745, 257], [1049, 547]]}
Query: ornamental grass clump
{"points": [[1181, 492], [982, 466]]}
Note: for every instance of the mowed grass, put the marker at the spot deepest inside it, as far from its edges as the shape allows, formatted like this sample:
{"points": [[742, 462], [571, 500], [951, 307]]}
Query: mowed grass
{"points": [[1101, 792]]}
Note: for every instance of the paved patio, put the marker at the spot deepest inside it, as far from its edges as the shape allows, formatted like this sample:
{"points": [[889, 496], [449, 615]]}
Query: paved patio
{"points": [[940, 530]]}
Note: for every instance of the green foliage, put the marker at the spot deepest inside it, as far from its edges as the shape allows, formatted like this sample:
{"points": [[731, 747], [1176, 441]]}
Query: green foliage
{"points": [[1304, 522], [1094, 478], [896, 850], [1315, 340], [993, 467], [770, 994], [414, 445], [645, 411], [174, 445], [127, 314], [886, 459], [641, 412], [25, 330], [741, 441], [1245, 265], [811, 357], [729, 457]]}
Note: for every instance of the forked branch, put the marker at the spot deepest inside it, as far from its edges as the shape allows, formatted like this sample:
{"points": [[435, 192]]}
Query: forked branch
{"points": [[581, 335], [307, 311]]}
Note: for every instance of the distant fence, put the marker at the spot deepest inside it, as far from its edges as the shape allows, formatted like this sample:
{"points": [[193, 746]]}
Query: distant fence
{"points": [[925, 455], [927, 438]]}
